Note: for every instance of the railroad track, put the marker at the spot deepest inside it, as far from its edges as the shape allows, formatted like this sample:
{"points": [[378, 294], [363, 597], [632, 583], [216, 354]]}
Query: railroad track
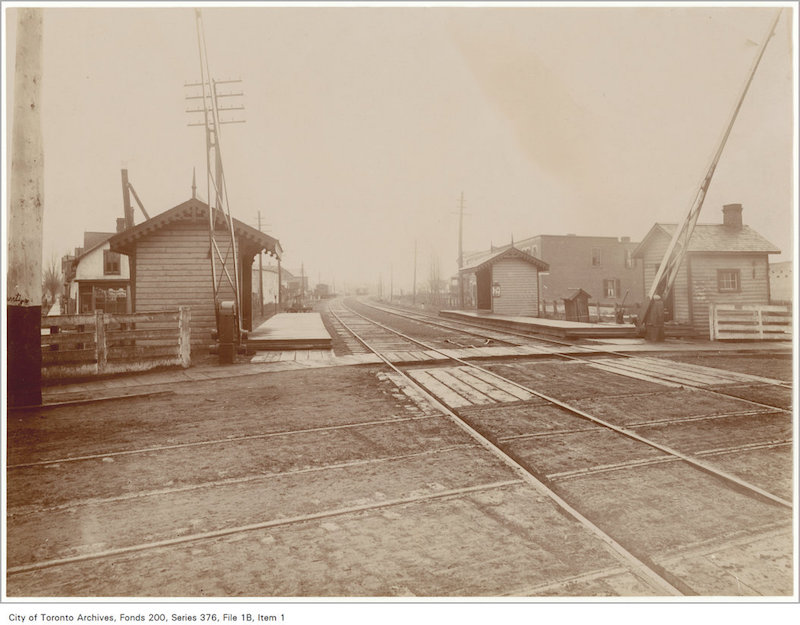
{"points": [[630, 365], [262, 481], [462, 392]]}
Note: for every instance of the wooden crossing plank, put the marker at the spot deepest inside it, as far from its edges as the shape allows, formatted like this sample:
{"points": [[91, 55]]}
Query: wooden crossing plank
{"points": [[474, 395], [441, 391], [631, 374], [735, 376], [676, 372], [502, 384], [464, 374]]}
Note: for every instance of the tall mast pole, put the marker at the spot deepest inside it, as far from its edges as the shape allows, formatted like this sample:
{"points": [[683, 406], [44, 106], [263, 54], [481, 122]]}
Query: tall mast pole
{"points": [[678, 245]]}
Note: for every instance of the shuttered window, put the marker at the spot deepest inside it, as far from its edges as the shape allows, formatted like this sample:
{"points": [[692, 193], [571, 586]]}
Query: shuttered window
{"points": [[611, 287]]}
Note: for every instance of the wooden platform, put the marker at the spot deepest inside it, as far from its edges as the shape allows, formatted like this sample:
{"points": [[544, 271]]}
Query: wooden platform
{"points": [[551, 327], [290, 331]]}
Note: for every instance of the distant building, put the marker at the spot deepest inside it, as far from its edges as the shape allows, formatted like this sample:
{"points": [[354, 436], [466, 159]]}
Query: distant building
{"points": [[322, 291], [269, 284], [505, 282], [781, 282], [170, 261], [726, 263], [294, 285], [96, 278], [604, 267]]}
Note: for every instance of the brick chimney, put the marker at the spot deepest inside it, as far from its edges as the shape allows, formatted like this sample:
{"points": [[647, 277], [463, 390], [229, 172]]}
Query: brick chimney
{"points": [[120, 224], [732, 216]]}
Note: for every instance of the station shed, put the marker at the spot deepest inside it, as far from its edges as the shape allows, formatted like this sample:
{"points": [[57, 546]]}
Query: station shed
{"points": [[506, 282], [170, 264], [725, 263]]}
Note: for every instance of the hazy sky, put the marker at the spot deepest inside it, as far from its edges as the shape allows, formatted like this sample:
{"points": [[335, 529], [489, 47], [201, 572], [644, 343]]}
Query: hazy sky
{"points": [[364, 125]]}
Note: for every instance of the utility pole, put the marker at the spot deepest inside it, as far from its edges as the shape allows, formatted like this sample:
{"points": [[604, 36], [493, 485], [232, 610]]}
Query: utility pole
{"points": [[391, 283], [26, 194], [260, 271], [414, 287], [212, 111], [460, 250]]}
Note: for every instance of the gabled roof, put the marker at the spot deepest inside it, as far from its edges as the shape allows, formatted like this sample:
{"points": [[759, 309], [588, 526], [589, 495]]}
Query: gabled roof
{"points": [[93, 239], [576, 293], [709, 238], [485, 260], [251, 241]]}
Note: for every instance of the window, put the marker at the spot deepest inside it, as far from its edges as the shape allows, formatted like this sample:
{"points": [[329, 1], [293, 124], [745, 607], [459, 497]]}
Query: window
{"points": [[728, 280], [611, 288], [111, 263], [628, 259], [595, 256]]}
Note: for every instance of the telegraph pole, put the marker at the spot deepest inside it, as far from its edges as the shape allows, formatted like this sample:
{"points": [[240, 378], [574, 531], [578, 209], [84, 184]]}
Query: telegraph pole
{"points": [[460, 250], [260, 271], [414, 287], [26, 193]]}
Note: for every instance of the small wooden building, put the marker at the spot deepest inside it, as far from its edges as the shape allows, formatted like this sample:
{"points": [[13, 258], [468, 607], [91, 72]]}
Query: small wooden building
{"points": [[170, 264], [726, 263], [506, 282], [576, 306]]}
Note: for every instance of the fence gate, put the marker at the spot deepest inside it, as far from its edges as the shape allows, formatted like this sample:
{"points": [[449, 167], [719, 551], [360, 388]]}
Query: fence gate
{"points": [[749, 322]]}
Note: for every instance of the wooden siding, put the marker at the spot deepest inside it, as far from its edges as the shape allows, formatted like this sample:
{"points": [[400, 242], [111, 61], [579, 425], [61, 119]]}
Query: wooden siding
{"points": [[173, 269], [518, 288], [680, 291], [753, 282]]}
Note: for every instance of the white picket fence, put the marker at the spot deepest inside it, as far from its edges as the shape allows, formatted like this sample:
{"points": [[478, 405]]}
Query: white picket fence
{"points": [[749, 322]]}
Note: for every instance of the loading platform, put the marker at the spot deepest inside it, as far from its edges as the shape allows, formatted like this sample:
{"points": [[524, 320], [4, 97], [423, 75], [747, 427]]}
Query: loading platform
{"points": [[286, 331], [551, 327]]}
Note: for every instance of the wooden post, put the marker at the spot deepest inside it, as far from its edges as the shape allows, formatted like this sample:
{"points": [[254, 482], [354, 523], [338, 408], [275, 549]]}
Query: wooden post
{"points": [[26, 201], [280, 280], [100, 341], [185, 336], [712, 321]]}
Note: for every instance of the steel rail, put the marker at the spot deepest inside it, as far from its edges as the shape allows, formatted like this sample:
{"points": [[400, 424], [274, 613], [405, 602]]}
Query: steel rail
{"points": [[326, 514], [217, 441], [644, 570], [231, 481], [694, 462]]}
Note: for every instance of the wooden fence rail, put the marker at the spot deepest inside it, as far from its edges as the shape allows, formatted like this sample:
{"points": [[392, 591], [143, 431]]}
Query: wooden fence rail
{"points": [[749, 322], [75, 346]]}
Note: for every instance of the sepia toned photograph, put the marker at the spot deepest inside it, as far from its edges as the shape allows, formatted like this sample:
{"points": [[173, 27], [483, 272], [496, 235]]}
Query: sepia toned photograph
{"points": [[398, 302]]}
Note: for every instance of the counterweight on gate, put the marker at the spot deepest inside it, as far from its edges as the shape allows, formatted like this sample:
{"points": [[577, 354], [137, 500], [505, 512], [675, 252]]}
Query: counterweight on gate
{"points": [[676, 251], [223, 250]]}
